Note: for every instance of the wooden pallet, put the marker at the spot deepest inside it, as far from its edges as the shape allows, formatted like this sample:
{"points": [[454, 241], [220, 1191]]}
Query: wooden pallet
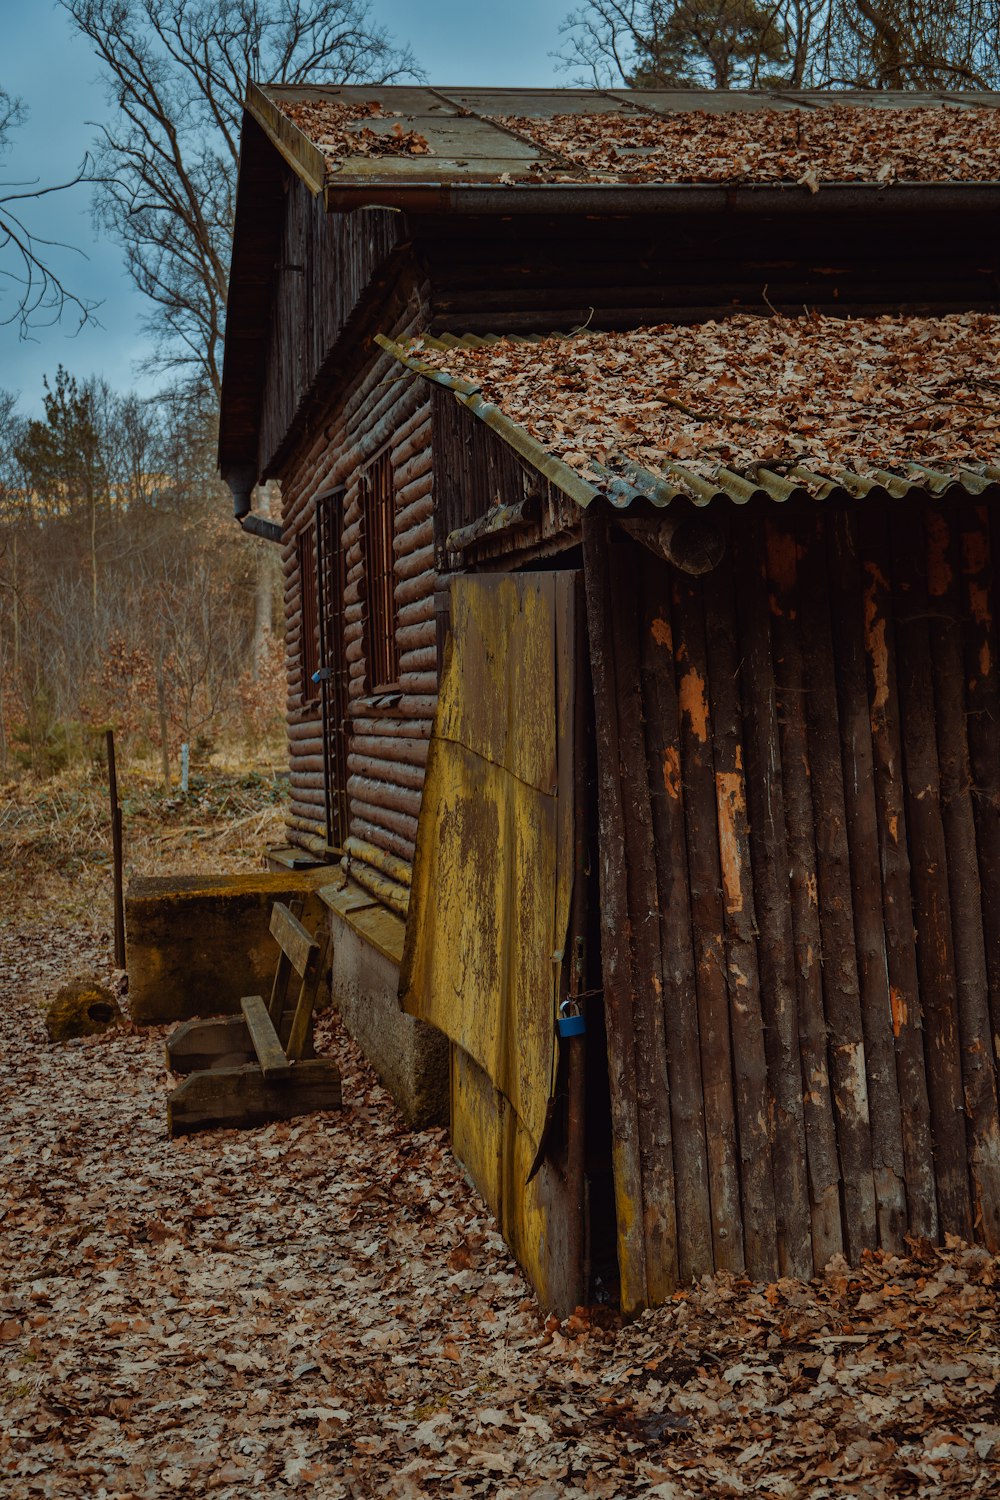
{"points": [[249, 1069]]}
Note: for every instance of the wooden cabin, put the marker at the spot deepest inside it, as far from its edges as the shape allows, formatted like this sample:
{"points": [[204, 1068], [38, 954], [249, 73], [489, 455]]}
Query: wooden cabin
{"points": [[640, 470]]}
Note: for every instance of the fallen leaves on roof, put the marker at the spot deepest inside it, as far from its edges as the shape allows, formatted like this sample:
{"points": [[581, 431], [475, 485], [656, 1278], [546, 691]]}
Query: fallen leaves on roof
{"points": [[808, 146], [825, 393], [338, 131]]}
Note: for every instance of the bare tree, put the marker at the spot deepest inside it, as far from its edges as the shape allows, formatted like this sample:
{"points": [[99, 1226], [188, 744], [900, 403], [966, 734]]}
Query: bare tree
{"points": [[877, 44], [914, 44], [176, 73], [41, 296]]}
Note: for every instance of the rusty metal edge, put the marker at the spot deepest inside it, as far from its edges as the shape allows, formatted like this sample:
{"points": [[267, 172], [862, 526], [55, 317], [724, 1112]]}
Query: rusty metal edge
{"points": [[469, 396], [304, 158]]}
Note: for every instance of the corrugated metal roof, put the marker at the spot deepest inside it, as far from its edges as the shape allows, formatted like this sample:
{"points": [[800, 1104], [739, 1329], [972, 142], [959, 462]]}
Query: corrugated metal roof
{"points": [[465, 137], [623, 483]]}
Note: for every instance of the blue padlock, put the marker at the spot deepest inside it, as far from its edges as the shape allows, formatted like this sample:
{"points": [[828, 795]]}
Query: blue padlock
{"points": [[570, 1025]]}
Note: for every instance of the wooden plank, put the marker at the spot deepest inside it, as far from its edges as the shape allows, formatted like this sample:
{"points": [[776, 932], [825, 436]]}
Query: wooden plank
{"points": [[905, 1006], [746, 1022], [302, 1020], [861, 816], [769, 859], [701, 1240], [790, 687], [270, 1053], [696, 771], [947, 666], [656, 1145], [237, 1098], [841, 990], [929, 871], [292, 938], [616, 955], [982, 676]]}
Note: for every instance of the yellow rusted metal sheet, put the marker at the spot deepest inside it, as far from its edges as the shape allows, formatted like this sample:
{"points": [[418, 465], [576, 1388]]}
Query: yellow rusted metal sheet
{"points": [[489, 906], [496, 1150]]}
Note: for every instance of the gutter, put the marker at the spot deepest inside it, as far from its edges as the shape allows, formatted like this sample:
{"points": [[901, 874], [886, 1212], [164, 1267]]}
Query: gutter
{"points": [[610, 200]]}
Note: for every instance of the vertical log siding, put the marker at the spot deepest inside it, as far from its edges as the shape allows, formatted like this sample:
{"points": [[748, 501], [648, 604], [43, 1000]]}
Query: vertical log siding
{"points": [[820, 723]]}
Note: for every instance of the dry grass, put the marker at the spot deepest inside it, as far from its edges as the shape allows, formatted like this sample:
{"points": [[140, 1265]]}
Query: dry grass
{"points": [[55, 835]]}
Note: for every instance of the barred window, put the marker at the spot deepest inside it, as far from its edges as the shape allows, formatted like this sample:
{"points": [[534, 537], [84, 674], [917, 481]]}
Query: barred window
{"points": [[378, 503]]}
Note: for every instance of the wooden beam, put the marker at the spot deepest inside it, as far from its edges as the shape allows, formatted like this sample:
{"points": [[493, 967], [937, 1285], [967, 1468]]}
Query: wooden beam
{"points": [[692, 769], [770, 864], [270, 1053], [236, 1098], [692, 543], [790, 690], [292, 938]]}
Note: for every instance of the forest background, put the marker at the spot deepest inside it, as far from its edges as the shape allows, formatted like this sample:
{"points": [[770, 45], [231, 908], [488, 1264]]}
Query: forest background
{"points": [[127, 596]]}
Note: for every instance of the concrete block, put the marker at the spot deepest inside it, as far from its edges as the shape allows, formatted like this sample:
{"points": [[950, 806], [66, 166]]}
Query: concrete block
{"points": [[410, 1057], [195, 945]]}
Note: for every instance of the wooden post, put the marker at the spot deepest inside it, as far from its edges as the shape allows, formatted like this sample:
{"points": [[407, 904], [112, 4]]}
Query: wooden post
{"points": [[708, 1225], [935, 945], [790, 689], [638, 869], [116, 852], [848, 647], [769, 857], [697, 772], [841, 994], [963, 873], [639, 1194], [905, 1007], [982, 675], [754, 1114]]}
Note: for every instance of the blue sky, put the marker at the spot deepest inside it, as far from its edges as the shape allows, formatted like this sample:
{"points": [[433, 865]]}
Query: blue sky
{"points": [[56, 75]]}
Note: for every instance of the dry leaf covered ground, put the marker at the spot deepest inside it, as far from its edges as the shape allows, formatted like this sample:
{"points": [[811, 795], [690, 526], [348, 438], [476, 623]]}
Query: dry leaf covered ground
{"points": [[325, 1309]]}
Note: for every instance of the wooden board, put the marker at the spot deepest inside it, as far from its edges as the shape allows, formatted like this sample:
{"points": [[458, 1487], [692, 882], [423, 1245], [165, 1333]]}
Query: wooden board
{"points": [[292, 938], [270, 1053], [237, 1098]]}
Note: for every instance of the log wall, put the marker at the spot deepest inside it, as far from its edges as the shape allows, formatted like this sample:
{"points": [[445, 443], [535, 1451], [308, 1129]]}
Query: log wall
{"points": [[383, 407], [800, 829], [327, 266]]}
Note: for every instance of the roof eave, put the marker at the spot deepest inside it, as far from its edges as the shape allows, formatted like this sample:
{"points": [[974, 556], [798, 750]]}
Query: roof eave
{"points": [[302, 155], [603, 200]]}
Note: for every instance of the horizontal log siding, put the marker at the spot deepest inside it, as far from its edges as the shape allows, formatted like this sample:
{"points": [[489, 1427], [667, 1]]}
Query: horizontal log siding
{"points": [[809, 738], [387, 742]]}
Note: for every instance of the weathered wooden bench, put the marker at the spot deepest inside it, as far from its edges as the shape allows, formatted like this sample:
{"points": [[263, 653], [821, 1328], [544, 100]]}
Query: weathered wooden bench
{"points": [[256, 1067]]}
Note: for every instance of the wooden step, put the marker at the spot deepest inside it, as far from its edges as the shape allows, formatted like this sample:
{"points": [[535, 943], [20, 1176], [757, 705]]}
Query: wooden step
{"points": [[266, 1043]]}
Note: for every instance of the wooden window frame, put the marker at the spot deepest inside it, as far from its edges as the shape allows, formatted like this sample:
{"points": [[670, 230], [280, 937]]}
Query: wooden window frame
{"points": [[309, 645], [378, 534], [332, 574]]}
